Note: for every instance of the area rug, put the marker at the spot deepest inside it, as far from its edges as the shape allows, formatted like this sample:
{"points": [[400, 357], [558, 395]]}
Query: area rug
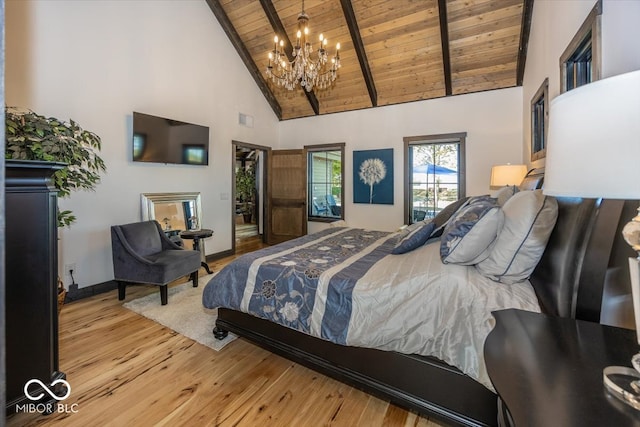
{"points": [[184, 313]]}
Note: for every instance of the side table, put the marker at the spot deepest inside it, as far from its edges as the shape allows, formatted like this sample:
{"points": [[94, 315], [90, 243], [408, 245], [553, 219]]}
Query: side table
{"points": [[197, 236], [174, 236], [547, 370]]}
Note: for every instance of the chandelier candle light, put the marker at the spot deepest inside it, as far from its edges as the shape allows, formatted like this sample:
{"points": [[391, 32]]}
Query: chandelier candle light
{"points": [[309, 72]]}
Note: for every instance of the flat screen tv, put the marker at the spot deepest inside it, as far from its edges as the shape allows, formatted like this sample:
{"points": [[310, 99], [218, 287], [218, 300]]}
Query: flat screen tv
{"points": [[160, 140]]}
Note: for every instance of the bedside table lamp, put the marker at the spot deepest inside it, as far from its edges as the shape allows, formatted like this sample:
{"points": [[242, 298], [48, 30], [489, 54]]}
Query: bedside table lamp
{"points": [[593, 152], [503, 175]]}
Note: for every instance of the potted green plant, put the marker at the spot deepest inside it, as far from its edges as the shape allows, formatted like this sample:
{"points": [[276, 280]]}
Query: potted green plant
{"points": [[31, 136], [245, 190]]}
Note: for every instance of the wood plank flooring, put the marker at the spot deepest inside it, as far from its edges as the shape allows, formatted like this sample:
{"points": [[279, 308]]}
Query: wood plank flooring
{"points": [[126, 370]]}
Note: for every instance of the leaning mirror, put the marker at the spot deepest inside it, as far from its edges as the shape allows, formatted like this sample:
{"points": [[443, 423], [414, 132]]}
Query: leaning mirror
{"points": [[174, 211]]}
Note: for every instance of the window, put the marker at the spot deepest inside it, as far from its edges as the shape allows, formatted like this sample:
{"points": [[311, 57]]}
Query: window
{"points": [[194, 155], [580, 63], [539, 121], [139, 141], [578, 66], [434, 174], [325, 169]]}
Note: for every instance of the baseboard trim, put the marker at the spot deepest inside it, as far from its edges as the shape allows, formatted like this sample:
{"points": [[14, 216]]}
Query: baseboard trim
{"points": [[219, 255], [74, 293]]}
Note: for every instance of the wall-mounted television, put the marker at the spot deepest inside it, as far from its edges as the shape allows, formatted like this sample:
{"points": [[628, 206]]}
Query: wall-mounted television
{"points": [[160, 140]]}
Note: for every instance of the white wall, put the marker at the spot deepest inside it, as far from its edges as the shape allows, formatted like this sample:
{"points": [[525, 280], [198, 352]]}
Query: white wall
{"points": [[492, 120], [99, 61], [553, 26], [96, 62], [620, 37]]}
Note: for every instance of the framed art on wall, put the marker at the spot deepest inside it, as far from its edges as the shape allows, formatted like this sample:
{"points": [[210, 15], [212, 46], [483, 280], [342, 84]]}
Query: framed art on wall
{"points": [[373, 176]]}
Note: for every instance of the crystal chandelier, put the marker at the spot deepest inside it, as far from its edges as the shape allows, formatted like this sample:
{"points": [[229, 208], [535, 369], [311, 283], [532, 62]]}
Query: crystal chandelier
{"points": [[304, 69]]}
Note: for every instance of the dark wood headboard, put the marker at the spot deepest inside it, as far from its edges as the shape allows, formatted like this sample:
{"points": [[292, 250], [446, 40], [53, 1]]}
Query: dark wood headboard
{"points": [[583, 250], [556, 278]]}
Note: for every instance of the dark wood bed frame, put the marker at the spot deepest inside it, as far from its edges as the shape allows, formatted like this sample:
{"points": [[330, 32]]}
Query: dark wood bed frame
{"points": [[576, 256]]}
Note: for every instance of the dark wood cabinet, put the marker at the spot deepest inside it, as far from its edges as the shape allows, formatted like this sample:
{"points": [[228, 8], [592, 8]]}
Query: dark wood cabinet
{"points": [[547, 370], [31, 279]]}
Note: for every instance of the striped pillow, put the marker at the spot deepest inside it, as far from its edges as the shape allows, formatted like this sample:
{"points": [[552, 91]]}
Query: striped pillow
{"points": [[416, 237], [470, 233]]}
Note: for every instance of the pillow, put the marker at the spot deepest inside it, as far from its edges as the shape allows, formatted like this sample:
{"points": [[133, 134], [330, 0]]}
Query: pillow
{"points": [[529, 219], [505, 194], [469, 234], [445, 214], [416, 237], [412, 227]]}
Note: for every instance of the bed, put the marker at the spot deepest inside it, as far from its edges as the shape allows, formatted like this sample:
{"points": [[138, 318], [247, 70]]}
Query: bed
{"points": [[426, 371]]}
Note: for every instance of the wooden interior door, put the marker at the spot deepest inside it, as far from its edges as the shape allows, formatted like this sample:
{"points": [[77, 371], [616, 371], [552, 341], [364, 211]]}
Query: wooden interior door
{"points": [[287, 183]]}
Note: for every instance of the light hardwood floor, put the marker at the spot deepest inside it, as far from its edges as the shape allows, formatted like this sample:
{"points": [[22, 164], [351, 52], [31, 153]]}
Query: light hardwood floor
{"points": [[126, 370]]}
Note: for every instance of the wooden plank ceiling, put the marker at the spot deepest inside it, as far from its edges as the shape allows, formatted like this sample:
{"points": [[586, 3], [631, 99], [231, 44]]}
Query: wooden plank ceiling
{"points": [[392, 51]]}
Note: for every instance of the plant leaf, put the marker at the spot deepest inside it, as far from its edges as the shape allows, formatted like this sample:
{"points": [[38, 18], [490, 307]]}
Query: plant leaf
{"points": [[31, 136]]}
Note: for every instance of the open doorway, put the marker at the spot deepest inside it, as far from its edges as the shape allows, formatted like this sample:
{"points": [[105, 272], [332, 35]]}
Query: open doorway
{"points": [[249, 193]]}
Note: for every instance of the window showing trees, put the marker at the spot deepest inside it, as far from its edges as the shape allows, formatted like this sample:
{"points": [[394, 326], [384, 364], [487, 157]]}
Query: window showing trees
{"points": [[434, 174], [325, 169]]}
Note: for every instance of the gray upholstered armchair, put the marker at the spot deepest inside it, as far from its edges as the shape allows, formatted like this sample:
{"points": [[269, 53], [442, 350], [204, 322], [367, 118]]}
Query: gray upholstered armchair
{"points": [[143, 254]]}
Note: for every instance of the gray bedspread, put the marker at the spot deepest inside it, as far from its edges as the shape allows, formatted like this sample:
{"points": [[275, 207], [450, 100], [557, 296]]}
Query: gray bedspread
{"points": [[344, 285]]}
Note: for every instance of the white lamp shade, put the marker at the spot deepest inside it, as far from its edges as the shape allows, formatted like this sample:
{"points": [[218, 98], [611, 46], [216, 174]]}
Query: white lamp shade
{"points": [[502, 175], [593, 145]]}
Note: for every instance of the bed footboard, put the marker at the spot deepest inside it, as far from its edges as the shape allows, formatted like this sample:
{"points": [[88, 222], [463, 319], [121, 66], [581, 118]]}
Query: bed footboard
{"points": [[422, 384]]}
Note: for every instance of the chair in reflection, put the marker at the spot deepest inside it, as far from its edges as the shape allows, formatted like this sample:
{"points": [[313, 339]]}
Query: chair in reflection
{"points": [[333, 205], [142, 253], [319, 208], [419, 215]]}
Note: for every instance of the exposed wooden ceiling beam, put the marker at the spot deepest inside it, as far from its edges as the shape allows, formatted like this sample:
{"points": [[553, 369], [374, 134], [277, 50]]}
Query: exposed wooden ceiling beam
{"points": [[236, 41], [352, 23], [485, 45], [274, 19], [525, 29], [444, 39]]}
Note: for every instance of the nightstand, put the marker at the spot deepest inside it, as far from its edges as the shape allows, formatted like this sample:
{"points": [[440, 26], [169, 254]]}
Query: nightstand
{"points": [[547, 370]]}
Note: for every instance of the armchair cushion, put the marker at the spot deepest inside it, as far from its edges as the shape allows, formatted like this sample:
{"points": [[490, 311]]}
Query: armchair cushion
{"points": [[143, 237], [168, 265]]}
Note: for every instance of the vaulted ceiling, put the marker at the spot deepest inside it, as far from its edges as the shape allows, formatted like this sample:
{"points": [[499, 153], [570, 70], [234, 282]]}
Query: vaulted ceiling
{"points": [[392, 51]]}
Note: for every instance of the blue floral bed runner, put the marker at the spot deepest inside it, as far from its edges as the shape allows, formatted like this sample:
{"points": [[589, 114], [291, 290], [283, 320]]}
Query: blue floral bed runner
{"points": [[305, 283]]}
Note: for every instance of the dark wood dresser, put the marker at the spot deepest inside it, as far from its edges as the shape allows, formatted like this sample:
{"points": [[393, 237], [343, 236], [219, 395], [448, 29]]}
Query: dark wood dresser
{"points": [[547, 371], [31, 279]]}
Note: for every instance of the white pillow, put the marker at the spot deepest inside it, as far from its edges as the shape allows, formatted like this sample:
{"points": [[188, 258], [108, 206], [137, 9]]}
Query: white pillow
{"points": [[505, 193], [470, 233], [529, 218]]}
